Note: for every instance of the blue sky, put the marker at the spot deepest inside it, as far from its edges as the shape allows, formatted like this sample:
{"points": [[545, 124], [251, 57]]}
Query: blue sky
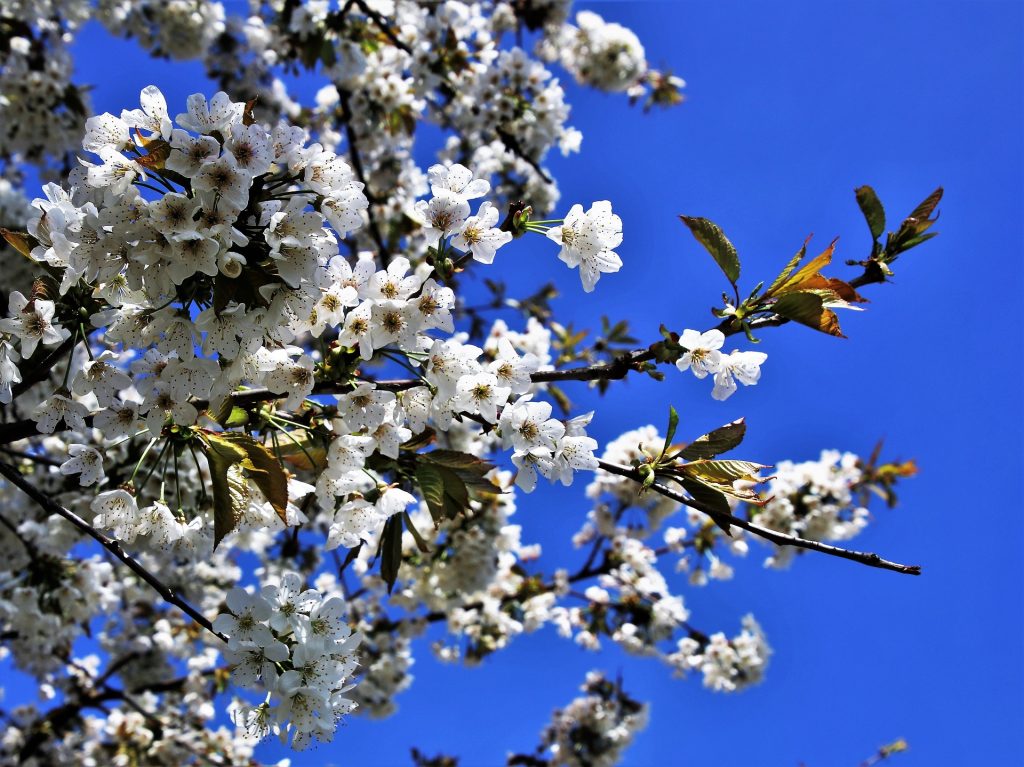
{"points": [[790, 106]]}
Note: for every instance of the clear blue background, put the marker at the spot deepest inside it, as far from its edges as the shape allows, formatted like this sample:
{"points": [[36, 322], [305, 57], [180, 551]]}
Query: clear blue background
{"points": [[790, 106]]}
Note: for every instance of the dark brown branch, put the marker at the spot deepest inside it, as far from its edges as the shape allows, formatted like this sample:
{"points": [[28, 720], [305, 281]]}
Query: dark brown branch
{"points": [[779, 539], [42, 370], [357, 165], [50, 506], [382, 22]]}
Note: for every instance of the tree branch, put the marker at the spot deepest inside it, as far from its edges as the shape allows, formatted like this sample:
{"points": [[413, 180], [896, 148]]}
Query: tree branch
{"points": [[357, 165], [779, 539], [50, 506]]}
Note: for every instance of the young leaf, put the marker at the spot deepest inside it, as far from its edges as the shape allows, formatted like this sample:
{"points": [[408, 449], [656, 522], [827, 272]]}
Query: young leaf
{"points": [[222, 455], [872, 209], [229, 414], [422, 439], [808, 277], [444, 491], [713, 443], [350, 556], [723, 471], [670, 432], [301, 450], [264, 470], [711, 499], [421, 544], [428, 477], [912, 230], [924, 211], [159, 151], [391, 548], [248, 118], [20, 241], [717, 244], [793, 262], [808, 309], [454, 459], [470, 469]]}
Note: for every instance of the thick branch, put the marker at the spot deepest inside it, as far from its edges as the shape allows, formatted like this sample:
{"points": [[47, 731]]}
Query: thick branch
{"points": [[779, 539], [50, 506]]}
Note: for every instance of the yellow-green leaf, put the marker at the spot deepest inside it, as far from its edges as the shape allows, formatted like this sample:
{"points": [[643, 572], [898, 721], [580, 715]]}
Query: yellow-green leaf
{"points": [[264, 470], [723, 471], [784, 275], [222, 455]]}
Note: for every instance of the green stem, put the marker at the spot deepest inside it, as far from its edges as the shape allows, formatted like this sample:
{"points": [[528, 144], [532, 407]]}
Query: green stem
{"points": [[142, 458]]}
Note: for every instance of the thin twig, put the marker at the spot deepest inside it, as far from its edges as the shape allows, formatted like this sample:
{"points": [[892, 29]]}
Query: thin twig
{"points": [[50, 506], [357, 165], [779, 539]]}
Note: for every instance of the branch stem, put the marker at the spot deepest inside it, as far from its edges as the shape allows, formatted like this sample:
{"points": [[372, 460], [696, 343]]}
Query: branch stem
{"points": [[779, 539], [50, 506]]}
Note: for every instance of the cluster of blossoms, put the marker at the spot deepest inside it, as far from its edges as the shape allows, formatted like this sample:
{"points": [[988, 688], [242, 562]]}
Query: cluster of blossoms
{"points": [[596, 728], [632, 604], [704, 358], [601, 54], [243, 244], [444, 64], [292, 644], [176, 29], [41, 111], [817, 500], [727, 665], [218, 299], [213, 282]]}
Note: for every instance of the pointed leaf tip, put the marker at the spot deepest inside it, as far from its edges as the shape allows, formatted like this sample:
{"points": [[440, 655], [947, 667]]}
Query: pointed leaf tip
{"points": [[711, 236]]}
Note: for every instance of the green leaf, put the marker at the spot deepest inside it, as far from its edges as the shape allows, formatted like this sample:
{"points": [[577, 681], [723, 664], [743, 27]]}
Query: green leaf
{"points": [[444, 491], [872, 209], [712, 499], [713, 443], [428, 477], [468, 468], [793, 262], [670, 432], [912, 230], [391, 549], [222, 455], [561, 398], [717, 244], [421, 544], [808, 309], [229, 414], [454, 459], [264, 470], [422, 439], [723, 471]]}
